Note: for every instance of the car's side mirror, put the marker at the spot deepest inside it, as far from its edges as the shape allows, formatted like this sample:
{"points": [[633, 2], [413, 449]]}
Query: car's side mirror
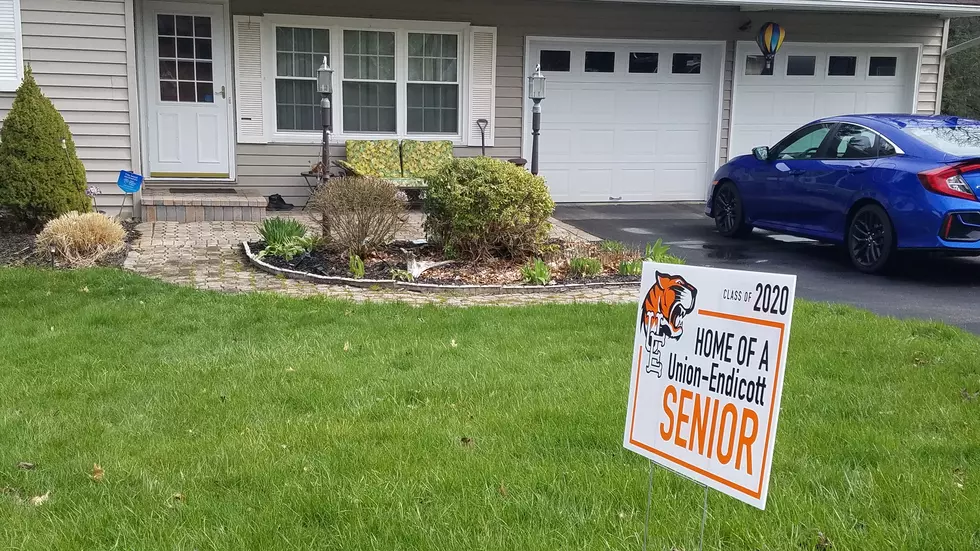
{"points": [[761, 153]]}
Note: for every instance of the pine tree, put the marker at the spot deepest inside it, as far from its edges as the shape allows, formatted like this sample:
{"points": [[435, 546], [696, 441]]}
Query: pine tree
{"points": [[40, 174]]}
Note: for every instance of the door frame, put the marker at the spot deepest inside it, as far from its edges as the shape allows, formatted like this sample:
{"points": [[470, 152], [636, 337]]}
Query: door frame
{"points": [[714, 161], [144, 89]]}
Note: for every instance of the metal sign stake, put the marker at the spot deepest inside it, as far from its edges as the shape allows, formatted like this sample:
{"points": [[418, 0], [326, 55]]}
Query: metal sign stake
{"points": [[646, 524]]}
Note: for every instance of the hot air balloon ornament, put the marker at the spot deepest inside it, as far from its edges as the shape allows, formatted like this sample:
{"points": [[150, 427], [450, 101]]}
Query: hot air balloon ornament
{"points": [[770, 39]]}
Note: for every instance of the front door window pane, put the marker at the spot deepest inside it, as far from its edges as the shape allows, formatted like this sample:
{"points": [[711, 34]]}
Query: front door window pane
{"points": [[184, 43]]}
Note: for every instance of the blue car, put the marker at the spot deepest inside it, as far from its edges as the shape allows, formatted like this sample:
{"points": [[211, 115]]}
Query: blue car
{"points": [[876, 184]]}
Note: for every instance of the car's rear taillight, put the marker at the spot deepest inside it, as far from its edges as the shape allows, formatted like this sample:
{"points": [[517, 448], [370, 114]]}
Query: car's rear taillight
{"points": [[948, 180]]}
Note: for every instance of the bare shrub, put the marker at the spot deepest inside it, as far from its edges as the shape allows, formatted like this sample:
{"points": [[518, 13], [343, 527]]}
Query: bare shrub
{"points": [[358, 213], [82, 239]]}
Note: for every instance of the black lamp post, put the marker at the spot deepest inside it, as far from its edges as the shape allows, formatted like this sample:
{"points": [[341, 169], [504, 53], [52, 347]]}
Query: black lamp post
{"points": [[535, 93], [324, 85]]}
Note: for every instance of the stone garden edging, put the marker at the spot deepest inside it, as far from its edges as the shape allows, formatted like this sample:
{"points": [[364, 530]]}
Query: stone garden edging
{"points": [[429, 287]]}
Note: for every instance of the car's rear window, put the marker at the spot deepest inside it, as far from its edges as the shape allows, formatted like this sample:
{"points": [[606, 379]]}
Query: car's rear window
{"points": [[954, 140]]}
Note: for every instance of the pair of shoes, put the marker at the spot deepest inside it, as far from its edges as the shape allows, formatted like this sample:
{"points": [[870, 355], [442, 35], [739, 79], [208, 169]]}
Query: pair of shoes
{"points": [[276, 202]]}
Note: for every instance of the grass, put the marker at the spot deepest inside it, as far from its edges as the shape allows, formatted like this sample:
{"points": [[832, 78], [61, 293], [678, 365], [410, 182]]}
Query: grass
{"points": [[288, 424]]}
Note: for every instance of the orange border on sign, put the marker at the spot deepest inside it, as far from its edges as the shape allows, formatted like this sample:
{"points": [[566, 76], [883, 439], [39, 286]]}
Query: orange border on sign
{"points": [[757, 494]]}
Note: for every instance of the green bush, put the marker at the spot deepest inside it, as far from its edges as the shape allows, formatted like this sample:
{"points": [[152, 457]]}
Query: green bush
{"points": [[41, 177], [658, 252], [536, 272], [483, 207], [585, 267], [632, 268]]}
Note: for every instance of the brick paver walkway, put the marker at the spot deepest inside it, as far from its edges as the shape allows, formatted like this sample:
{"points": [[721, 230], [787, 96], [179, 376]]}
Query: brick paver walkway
{"points": [[208, 255]]}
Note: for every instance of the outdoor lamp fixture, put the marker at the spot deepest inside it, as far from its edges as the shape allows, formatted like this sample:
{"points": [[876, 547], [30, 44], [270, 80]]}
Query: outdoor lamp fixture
{"points": [[535, 93], [324, 85]]}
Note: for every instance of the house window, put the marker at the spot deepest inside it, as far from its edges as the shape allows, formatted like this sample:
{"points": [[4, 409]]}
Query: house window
{"points": [[557, 61], [882, 66], [842, 66], [433, 83], [755, 65], [642, 62], [299, 53], [801, 65], [388, 81], [600, 62], [686, 64], [369, 82]]}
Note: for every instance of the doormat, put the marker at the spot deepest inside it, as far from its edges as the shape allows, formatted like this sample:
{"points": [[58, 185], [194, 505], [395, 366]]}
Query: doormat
{"points": [[202, 190]]}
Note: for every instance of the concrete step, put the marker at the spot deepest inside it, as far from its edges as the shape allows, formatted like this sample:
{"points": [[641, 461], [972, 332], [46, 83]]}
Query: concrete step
{"points": [[161, 204]]}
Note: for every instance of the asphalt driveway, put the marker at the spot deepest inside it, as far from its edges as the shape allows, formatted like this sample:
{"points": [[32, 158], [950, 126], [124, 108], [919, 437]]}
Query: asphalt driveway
{"points": [[935, 288]]}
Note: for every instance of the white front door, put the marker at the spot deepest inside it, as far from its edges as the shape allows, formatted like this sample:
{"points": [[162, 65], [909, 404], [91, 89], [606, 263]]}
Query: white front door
{"points": [[812, 81], [627, 121], [188, 90]]}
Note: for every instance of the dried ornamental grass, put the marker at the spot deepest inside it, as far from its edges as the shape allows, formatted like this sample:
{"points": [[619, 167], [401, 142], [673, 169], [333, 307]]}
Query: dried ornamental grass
{"points": [[82, 239]]}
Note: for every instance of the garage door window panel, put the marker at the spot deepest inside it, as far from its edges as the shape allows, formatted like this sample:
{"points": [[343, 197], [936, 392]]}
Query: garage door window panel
{"points": [[555, 61], [755, 65], [686, 64], [842, 66], [804, 143], [882, 66], [600, 62], [801, 66], [644, 62]]}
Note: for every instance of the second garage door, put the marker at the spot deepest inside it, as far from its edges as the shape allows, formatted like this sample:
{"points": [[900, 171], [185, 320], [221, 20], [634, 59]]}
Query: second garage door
{"points": [[627, 121], [810, 81]]}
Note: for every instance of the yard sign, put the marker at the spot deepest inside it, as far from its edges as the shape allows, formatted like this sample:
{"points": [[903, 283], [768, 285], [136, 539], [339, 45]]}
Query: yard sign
{"points": [[709, 360]]}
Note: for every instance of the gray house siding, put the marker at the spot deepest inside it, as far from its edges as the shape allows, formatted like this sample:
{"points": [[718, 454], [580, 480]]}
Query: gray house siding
{"points": [[274, 168], [79, 51]]}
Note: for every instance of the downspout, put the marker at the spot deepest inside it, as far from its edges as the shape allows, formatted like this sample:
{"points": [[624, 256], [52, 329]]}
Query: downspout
{"points": [[942, 68]]}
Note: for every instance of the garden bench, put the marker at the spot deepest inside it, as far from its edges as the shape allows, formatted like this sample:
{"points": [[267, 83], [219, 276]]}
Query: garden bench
{"points": [[405, 165]]}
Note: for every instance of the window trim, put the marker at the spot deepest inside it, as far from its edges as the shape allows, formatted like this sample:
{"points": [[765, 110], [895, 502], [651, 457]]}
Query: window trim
{"points": [[336, 26]]}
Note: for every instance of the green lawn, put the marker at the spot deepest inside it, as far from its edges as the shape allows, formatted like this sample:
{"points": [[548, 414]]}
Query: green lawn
{"points": [[302, 424]]}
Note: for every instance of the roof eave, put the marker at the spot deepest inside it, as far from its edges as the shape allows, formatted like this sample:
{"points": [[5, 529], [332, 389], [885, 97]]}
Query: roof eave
{"points": [[939, 9]]}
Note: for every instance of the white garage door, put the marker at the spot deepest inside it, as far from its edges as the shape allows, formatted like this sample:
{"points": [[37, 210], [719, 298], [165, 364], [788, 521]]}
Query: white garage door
{"points": [[627, 121], [808, 82]]}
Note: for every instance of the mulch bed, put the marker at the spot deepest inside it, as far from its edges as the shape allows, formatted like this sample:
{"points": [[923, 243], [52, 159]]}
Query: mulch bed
{"points": [[335, 262], [17, 249]]}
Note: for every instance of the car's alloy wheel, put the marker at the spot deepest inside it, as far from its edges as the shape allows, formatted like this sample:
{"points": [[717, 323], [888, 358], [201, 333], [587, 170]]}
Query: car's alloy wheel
{"points": [[729, 217], [870, 239]]}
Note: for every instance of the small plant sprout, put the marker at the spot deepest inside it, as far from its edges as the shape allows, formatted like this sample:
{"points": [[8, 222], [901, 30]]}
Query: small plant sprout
{"points": [[402, 275], [536, 272], [356, 266]]}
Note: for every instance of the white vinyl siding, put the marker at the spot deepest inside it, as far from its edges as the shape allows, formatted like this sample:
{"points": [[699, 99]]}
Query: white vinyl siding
{"points": [[82, 54], [11, 54]]}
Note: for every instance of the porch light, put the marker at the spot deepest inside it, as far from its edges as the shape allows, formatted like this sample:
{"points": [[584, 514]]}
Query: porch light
{"points": [[324, 78], [535, 93], [535, 85]]}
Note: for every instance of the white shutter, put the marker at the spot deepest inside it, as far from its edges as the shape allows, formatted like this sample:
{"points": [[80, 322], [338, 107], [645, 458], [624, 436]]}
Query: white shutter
{"points": [[248, 79], [11, 53], [483, 76]]}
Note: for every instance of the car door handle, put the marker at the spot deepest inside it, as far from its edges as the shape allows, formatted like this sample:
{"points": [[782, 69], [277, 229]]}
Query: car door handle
{"points": [[797, 172], [858, 168]]}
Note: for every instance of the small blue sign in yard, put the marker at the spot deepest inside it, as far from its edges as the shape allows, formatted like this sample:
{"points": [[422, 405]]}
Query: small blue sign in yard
{"points": [[129, 182]]}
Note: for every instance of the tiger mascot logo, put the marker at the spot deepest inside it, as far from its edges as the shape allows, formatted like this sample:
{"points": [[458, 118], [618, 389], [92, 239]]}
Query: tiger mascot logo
{"points": [[662, 315]]}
